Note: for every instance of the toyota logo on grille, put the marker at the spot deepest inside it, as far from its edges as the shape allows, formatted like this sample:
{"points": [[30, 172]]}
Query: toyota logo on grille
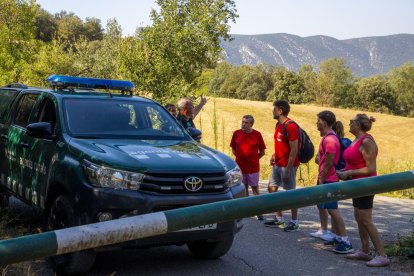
{"points": [[193, 183]]}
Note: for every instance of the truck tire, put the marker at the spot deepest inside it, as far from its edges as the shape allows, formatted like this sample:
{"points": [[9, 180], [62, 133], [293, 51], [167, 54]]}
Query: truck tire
{"points": [[61, 215], [210, 250]]}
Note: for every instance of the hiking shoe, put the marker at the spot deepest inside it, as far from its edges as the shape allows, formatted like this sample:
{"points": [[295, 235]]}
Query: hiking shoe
{"points": [[343, 248], [292, 227], [359, 255], [317, 234], [260, 217], [379, 261], [335, 242], [274, 223], [327, 236]]}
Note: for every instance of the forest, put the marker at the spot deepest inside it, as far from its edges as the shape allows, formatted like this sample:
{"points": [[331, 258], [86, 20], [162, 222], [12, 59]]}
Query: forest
{"points": [[180, 54]]}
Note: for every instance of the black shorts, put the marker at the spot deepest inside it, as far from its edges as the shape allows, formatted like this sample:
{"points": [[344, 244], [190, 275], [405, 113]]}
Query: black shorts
{"points": [[365, 202]]}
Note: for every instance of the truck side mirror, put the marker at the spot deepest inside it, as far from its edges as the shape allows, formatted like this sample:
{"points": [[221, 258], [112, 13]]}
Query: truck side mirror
{"points": [[42, 130], [194, 133]]}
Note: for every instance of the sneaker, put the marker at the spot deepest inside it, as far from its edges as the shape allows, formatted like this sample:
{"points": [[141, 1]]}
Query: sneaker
{"points": [[343, 248], [335, 242], [359, 255], [274, 223], [317, 234], [260, 217], [379, 261], [292, 227], [327, 236]]}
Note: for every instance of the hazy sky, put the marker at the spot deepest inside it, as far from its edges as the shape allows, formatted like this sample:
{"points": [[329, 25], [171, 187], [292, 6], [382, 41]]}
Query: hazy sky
{"points": [[337, 18]]}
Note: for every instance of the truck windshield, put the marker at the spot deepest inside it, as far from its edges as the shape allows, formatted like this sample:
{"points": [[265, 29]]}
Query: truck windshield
{"points": [[112, 118]]}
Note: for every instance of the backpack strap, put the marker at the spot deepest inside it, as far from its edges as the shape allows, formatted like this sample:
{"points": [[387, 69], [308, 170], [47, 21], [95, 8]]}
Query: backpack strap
{"points": [[340, 143], [285, 133]]}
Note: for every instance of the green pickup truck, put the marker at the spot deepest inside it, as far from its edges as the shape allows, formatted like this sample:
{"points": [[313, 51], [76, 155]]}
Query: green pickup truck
{"points": [[86, 151]]}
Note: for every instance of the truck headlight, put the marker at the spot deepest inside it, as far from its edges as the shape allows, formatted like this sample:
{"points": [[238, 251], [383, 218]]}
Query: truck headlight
{"points": [[234, 177], [106, 177]]}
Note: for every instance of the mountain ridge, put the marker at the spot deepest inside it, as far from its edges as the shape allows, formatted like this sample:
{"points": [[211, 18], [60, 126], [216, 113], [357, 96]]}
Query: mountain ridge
{"points": [[366, 56]]}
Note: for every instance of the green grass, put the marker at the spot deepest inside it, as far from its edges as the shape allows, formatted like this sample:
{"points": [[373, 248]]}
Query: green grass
{"points": [[393, 134]]}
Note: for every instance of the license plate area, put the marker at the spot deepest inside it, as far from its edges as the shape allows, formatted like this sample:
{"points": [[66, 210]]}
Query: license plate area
{"points": [[211, 226]]}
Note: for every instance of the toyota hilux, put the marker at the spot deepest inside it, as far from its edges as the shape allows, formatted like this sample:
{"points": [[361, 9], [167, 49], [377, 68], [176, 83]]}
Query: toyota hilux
{"points": [[86, 150]]}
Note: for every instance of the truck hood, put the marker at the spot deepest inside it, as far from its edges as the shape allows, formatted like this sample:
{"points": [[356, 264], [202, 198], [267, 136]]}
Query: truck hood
{"points": [[152, 155]]}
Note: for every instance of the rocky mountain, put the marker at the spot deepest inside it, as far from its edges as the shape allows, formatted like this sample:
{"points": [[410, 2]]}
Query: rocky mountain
{"points": [[365, 56]]}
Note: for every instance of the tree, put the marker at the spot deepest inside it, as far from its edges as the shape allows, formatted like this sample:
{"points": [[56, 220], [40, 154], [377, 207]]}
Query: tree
{"points": [[375, 94], [287, 85], [51, 58], [46, 26], [401, 80], [231, 84], [103, 59], [70, 27], [92, 29], [309, 82], [184, 39], [17, 32], [219, 76], [255, 82], [334, 83]]}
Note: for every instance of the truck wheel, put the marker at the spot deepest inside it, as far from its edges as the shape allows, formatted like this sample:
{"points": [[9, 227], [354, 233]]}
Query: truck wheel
{"points": [[62, 215], [210, 250]]}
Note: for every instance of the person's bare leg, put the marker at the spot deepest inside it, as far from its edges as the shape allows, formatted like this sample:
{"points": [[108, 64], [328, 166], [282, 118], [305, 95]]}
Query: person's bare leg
{"points": [[294, 214], [255, 190], [337, 222], [363, 234], [246, 189], [273, 189], [323, 216], [334, 227], [365, 216]]}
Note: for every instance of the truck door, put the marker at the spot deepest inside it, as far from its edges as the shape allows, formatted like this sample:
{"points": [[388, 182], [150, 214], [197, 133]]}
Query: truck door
{"points": [[7, 97], [41, 152], [18, 148]]}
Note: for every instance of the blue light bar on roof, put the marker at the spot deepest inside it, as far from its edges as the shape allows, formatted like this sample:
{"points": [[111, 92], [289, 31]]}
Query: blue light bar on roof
{"points": [[78, 82]]}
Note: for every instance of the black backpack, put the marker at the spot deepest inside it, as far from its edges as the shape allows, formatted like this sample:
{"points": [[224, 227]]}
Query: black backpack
{"points": [[341, 161], [306, 149]]}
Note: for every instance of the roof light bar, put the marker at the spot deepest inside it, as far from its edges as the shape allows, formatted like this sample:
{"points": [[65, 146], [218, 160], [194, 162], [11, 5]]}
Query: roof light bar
{"points": [[79, 82]]}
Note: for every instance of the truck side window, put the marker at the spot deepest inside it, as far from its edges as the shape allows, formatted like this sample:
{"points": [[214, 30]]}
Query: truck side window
{"points": [[47, 112], [6, 99], [24, 109]]}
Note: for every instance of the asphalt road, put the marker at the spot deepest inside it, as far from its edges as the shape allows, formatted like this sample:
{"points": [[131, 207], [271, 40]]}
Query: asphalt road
{"points": [[258, 250]]}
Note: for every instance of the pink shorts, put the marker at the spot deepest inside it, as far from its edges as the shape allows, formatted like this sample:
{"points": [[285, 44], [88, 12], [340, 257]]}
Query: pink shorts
{"points": [[251, 179]]}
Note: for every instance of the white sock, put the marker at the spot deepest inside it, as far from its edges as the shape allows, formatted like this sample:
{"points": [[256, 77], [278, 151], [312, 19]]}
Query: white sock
{"points": [[345, 239], [295, 221]]}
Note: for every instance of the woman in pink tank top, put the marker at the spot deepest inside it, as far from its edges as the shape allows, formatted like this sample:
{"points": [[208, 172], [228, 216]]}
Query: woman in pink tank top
{"points": [[360, 158]]}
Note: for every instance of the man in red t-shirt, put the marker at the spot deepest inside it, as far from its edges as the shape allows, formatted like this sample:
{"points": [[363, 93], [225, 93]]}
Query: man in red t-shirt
{"points": [[284, 161], [248, 146]]}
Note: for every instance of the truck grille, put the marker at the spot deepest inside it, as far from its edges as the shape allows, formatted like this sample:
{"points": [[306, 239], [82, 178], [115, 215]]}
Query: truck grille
{"points": [[173, 183]]}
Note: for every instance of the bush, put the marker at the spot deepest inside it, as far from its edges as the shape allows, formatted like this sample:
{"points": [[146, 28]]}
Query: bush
{"points": [[403, 247]]}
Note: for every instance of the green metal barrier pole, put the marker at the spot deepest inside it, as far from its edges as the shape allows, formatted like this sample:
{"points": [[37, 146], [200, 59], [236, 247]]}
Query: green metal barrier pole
{"points": [[247, 207], [116, 231]]}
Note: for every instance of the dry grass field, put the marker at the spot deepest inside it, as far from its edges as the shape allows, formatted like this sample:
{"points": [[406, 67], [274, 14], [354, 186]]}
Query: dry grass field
{"points": [[394, 135]]}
